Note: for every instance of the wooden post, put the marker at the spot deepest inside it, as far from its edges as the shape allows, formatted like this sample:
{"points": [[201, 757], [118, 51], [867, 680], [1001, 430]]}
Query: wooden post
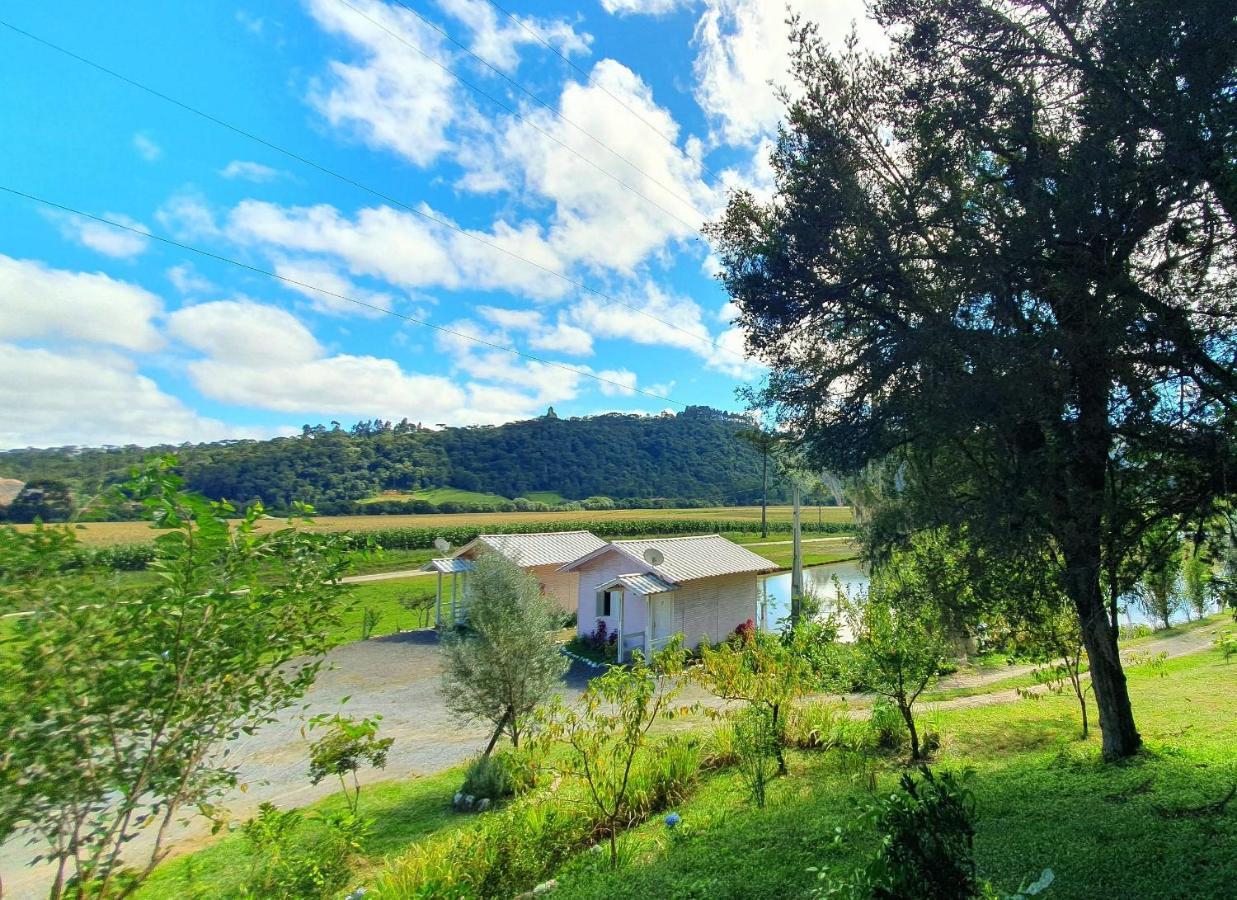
{"points": [[438, 603]]}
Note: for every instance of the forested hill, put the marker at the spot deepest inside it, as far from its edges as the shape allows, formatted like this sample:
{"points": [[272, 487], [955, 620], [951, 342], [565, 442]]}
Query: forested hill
{"points": [[695, 455]]}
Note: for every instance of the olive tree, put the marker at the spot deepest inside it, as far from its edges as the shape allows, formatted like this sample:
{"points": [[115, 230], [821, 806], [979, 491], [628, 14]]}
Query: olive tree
{"points": [[1002, 252], [505, 662], [117, 698]]}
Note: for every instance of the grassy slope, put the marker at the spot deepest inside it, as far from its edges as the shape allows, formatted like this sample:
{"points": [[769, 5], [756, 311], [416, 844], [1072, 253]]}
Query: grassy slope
{"points": [[439, 495], [104, 533], [553, 498], [1044, 800]]}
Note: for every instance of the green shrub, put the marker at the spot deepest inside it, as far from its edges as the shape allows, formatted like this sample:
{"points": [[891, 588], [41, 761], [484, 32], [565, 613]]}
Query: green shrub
{"points": [[490, 777], [286, 865], [719, 750], [888, 727], [815, 726], [757, 742]]}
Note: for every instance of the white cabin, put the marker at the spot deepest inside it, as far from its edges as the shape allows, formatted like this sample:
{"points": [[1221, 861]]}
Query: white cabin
{"points": [[647, 591], [541, 554]]}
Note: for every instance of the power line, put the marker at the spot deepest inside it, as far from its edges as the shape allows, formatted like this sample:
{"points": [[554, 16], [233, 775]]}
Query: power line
{"points": [[517, 115], [619, 100], [352, 182], [518, 86], [329, 293]]}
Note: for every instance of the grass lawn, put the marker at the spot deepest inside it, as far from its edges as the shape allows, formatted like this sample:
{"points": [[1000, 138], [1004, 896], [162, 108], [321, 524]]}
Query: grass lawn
{"points": [[1044, 799], [393, 561], [551, 498], [383, 597]]}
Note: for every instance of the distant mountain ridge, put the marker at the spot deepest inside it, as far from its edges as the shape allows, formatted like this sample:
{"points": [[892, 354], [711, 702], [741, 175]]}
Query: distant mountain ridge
{"points": [[695, 455]]}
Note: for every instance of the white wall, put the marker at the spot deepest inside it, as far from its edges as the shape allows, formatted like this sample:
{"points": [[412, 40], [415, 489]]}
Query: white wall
{"points": [[563, 587], [714, 607], [597, 572]]}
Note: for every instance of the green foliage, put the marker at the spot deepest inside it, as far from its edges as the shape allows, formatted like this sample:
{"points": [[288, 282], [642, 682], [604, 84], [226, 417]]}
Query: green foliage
{"points": [[1158, 592], [926, 846], [1227, 642], [284, 868], [690, 458], [889, 731], [369, 621], [757, 745], [347, 745], [764, 671], [489, 777], [898, 650], [230, 632], [505, 663], [604, 733]]}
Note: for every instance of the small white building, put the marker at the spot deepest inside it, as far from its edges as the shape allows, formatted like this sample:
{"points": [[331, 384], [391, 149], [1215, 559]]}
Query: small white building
{"points": [[541, 554], [647, 591]]}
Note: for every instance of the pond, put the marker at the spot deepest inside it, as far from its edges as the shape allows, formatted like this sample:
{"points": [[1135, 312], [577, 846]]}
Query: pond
{"points": [[852, 575]]}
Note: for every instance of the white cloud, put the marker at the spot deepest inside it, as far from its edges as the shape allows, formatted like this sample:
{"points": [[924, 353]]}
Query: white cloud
{"points": [[559, 337], [244, 333], [497, 39], [655, 194], [642, 7], [146, 148], [652, 316], [37, 301], [246, 170], [405, 249], [101, 237], [186, 280], [51, 398], [618, 382], [394, 98], [260, 356], [311, 273], [188, 215], [742, 46]]}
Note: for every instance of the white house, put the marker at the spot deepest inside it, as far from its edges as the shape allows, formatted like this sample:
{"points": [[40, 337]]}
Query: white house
{"points": [[541, 554], [647, 591]]}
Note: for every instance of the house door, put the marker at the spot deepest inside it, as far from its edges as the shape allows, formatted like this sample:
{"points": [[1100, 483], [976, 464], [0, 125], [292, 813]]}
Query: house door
{"points": [[661, 613]]}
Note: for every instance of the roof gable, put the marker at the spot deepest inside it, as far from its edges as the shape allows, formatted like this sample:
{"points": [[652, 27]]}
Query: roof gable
{"points": [[541, 549], [685, 558]]}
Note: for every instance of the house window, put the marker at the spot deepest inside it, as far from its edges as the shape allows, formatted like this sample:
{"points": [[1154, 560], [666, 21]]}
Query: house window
{"points": [[607, 602]]}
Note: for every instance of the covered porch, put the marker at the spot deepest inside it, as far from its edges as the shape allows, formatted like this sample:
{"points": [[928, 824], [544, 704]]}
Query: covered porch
{"points": [[451, 604], [643, 609]]}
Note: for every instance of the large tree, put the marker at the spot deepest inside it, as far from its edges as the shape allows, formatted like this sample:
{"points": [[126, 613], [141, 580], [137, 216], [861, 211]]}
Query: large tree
{"points": [[1003, 254]]}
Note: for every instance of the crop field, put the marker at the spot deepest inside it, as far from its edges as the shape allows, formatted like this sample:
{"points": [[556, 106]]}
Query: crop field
{"points": [[101, 534]]}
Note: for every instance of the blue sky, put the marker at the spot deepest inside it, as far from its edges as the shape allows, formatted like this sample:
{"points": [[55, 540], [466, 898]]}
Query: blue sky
{"points": [[107, 336]]}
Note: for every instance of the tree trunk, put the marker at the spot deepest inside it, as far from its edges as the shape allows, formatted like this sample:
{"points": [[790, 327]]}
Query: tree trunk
{"points": [[502, 725], [910, 725]]}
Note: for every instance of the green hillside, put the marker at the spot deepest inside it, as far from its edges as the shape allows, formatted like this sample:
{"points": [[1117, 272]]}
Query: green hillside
{"points": [[692, 458]]}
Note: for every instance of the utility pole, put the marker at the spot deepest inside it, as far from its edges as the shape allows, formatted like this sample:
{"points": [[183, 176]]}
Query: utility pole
{"points": [[796, 565]]}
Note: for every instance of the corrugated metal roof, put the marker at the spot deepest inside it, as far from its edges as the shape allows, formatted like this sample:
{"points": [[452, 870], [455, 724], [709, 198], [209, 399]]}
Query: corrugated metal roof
{"points": [[549, 548], [689, 558], [447, 566], [640, 583]]}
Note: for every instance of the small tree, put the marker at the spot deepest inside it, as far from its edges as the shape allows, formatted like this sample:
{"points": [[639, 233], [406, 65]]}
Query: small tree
{"points": [[1158, 593], [898, 650], [758, 746], [606, 730], [347, 745], [765, 672], [1053, 639], [1198, 582], [138, 686], [505, 663]]}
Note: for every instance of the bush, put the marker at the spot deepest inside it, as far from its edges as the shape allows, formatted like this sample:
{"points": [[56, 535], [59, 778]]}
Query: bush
{"points": [[814, 726], [757, 742], [720, 750], [888, 727], [488, 777], [286, 865], [926, 844]]}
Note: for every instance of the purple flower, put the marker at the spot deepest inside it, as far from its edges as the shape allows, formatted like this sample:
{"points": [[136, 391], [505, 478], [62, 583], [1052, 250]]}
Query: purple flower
{"points": [[673, 819]]}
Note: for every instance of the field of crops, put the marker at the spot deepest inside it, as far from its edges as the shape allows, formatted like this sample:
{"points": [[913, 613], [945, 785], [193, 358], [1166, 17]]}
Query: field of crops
{"points": [[101, 534]]}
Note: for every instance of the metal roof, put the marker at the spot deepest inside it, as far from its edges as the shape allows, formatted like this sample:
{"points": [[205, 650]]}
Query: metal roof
{"points": [[447, 566], [687, 558], [545, 549], [640, 584]]}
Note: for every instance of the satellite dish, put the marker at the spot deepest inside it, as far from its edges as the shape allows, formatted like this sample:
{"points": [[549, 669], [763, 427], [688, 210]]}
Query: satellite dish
{"points": [[654, 557], [442, 545]]}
